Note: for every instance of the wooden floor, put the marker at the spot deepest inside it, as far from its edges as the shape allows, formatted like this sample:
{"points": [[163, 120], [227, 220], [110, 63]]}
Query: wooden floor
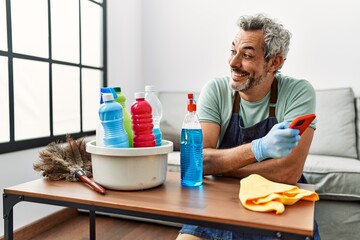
{"points": [[107, 228]]}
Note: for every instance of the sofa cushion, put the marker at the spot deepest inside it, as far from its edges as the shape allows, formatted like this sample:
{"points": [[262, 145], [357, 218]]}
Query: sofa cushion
{"points": [[171, 133], [335, 133], [335, 178], [174, 110]]}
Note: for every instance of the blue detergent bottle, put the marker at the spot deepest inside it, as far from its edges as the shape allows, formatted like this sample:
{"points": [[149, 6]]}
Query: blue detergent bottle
{"points": [[111, 116], [191, 147], [100, 128]]}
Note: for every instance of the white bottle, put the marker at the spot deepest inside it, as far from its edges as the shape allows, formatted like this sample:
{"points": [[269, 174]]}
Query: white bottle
{"points": [[156, 106]]}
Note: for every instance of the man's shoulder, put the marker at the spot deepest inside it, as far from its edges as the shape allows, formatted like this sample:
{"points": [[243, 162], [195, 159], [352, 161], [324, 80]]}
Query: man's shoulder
{"points": [[296, 97], [291, 84], [216, 86], [220, 81]]}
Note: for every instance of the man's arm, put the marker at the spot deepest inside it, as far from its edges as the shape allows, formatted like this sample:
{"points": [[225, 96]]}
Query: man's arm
{"points": [[240, 161], [219, 161]]}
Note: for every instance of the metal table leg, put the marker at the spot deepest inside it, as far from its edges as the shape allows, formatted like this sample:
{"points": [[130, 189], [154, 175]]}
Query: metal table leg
{"points": [[9, 202], [92, 226]]}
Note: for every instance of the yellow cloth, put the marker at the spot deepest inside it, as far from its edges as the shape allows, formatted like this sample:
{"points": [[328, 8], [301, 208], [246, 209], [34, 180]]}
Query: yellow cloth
{"points": [[261, 195]]}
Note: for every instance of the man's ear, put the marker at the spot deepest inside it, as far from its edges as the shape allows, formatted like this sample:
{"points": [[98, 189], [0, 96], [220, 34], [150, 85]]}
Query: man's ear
{"points": [[275, 63]]}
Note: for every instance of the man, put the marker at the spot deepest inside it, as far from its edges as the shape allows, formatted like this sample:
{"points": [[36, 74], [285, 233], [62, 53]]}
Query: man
{"points": [[245, 118]]}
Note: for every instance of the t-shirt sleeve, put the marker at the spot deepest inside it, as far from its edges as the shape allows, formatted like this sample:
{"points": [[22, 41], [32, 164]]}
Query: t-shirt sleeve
{"points": [[215, 103], [208, 104], [301, 100]]}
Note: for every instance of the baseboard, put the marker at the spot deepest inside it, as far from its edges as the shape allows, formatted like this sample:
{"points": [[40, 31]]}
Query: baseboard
{"points": [[44, 224]]}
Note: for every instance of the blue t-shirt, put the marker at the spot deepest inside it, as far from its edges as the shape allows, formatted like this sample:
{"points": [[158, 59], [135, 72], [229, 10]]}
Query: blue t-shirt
{"points": [[295, 98]]}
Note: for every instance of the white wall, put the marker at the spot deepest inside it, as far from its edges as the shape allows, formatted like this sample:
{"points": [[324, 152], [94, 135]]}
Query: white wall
{"points": [[185, 43], [124, 46], [181, 44]]}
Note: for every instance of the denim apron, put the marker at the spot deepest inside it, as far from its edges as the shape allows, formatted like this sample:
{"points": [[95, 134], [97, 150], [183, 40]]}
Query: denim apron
{"points": [[236, 134]]}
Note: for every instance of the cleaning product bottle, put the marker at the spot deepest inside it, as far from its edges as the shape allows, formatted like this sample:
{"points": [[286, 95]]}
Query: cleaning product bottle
{"points": [[100, 129], [142, 124], [127, 118], [191, 147], [110, 113], [156, 106]]}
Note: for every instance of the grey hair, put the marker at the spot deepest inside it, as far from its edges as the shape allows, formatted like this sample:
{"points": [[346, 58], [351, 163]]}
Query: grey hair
{"points": [[276, 37]]}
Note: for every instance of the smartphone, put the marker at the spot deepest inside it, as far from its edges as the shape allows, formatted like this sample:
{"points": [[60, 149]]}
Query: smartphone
{"points": [[302, 122]]}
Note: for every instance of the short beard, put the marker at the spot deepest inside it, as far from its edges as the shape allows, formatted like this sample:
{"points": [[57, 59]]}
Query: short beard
{"points": [[250, 83]]}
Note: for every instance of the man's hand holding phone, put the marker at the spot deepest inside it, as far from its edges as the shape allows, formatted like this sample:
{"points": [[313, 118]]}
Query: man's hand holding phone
{"points": [[277, 143], [281, 139]]}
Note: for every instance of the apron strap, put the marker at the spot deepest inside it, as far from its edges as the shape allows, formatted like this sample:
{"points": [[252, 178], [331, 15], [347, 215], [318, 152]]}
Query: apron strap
{"points": [[272, 101], [273, 97], [236, 104]]}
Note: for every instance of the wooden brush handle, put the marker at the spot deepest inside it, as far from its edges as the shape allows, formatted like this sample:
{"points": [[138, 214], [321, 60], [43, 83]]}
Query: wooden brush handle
{"points": [[81, 176]]}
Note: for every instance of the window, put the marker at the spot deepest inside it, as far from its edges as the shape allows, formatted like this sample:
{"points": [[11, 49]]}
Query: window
{"points": [[52, 64]]}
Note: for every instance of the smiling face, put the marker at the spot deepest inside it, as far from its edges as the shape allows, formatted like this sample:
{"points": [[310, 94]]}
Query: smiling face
{"points": [[247, 62]]}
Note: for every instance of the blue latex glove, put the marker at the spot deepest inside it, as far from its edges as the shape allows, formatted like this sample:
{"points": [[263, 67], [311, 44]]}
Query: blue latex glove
{"points": [[277, 143]]}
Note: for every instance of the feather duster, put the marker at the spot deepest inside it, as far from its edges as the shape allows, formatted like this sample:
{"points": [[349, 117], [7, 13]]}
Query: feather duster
{"points": [[59, 161]]}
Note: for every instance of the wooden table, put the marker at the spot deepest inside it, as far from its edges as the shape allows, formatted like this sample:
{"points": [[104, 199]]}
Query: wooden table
{"points": [[215, 204]]}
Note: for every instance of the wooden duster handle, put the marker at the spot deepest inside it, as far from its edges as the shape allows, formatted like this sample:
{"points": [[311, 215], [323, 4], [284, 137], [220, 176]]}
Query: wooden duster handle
{"points": [[79, 174]]}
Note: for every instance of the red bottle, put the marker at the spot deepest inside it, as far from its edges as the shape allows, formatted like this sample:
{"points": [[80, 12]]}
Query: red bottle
{"points": [[142, 123]]}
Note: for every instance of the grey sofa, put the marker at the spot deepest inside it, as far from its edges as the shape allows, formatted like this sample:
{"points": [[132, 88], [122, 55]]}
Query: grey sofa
{"points": [[333, 163]]}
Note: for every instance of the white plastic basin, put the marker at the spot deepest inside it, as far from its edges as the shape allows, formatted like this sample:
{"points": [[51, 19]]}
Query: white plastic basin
{"points": [[129, 168]]}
